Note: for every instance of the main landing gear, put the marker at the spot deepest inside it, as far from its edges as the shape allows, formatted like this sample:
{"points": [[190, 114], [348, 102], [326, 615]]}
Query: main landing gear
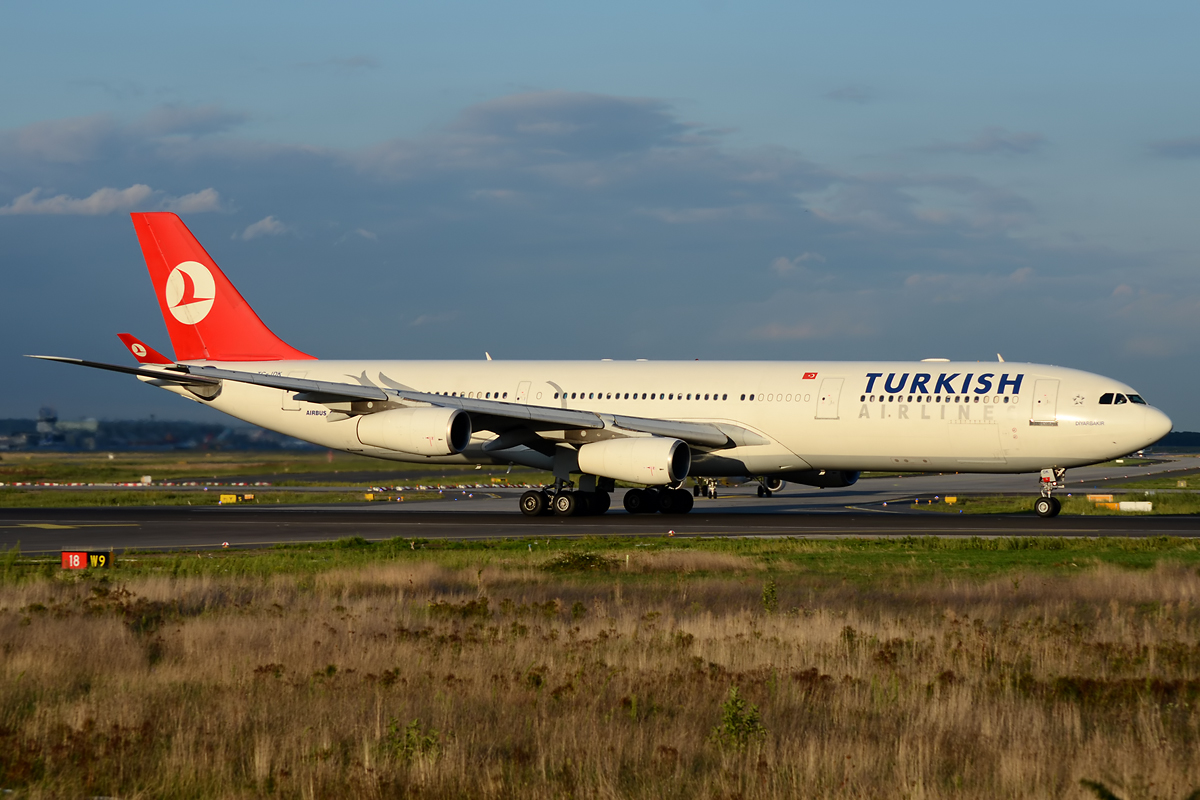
{"points": [[1048, 506], [567, 503], [705, 487], [661, 499], [563, 502]]}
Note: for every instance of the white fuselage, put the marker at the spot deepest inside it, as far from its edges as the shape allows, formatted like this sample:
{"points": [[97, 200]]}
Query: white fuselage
{"points": [[918, 416]]}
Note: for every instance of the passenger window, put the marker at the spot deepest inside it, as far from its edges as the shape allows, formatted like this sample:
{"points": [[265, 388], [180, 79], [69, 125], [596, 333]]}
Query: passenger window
{"points": [[743, 397], [1106, 399], [1137, 398], [752, 398], [723, 397], [572, 395], [1120, 400]]}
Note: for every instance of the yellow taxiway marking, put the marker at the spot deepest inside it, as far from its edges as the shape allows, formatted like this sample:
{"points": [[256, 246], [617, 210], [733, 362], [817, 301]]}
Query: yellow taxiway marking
{"points": [[50, 526]]}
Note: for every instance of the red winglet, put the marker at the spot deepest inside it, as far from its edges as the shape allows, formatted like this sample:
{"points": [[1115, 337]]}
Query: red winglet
{"points": [[144, 353], [206, 317]]}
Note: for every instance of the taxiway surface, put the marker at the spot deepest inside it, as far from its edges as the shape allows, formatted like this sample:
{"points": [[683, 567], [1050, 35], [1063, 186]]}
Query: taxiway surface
{"points": [[875, 507]]}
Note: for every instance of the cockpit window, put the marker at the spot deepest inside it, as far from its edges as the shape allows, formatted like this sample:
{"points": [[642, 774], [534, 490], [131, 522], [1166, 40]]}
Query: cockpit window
{"points": [[1106, 399], [1120, 400], [1137, 398]]}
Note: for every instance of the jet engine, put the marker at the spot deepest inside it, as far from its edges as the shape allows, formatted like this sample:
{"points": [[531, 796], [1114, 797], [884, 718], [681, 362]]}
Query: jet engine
{"points": [[421, 431], [823, 478], [652, 460]]}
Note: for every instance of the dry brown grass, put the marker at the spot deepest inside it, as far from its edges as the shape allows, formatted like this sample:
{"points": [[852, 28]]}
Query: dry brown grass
{"points": [[599, 686]]}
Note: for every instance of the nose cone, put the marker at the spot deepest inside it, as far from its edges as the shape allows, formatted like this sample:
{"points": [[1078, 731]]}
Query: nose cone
{"points": [[1156, 425]]}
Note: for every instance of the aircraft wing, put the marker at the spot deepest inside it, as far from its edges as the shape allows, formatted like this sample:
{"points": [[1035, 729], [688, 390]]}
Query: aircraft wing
{"points": [[493, 415], [490, 415]]}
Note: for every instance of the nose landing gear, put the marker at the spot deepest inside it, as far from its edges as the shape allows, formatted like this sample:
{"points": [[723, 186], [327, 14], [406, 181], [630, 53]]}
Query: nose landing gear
{"points": [[1048, 506]]}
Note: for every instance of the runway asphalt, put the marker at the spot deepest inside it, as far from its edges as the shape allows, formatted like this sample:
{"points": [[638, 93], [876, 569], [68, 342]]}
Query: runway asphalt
{"points": [[876, 507]]}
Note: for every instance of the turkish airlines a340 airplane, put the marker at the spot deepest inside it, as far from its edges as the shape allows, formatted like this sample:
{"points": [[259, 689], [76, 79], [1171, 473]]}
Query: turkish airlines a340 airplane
{"points": [[650, 423]]}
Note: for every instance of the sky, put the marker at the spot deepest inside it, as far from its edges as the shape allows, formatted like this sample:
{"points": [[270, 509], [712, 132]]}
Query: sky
{"points": [[782, 181]]}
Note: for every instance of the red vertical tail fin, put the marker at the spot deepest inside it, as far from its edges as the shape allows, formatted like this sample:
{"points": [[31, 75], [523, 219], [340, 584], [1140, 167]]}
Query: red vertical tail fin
{"points": [[206, 317]]}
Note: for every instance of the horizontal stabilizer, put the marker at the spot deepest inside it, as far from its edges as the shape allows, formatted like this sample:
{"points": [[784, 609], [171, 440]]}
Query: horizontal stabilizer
{"points": [[144, 353]]}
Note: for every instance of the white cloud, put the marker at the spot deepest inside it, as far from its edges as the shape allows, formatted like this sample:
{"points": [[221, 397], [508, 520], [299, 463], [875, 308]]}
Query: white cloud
{"points": [[433, 319], [267, 226], [101, 201], [786, 266], [366, 234], [195, 203], [109, 200]]}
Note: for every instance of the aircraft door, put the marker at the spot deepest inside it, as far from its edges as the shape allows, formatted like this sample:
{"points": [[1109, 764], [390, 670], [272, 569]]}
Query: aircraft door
{"points": [[289, 404], [827, 401], [523, 392], [1045, 401]]}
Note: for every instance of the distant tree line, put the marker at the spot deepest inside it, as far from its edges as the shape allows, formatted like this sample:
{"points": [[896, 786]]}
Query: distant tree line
{"points": [[139, 434]]}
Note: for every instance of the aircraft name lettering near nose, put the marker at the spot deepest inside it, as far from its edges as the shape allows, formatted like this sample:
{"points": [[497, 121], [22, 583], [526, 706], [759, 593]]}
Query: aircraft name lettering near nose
{"points": [[650, 423]]}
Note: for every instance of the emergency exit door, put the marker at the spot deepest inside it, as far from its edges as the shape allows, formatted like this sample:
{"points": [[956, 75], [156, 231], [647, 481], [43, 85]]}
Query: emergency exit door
{"points": [[827, 401], [1045, 401]]}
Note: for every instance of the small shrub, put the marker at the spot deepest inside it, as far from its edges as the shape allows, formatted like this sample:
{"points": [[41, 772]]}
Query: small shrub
{"points": [[406, 742], [466, 610], [580, 562], [770, 597], [739, 723]]}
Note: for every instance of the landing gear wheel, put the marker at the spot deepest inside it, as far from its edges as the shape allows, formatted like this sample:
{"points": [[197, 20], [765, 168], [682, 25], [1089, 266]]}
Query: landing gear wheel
{"points": [[535, 503], [696, 490], [675, 501], [600, 502], [763, 491], [566, 504], [636, 502], [1047, 507]]}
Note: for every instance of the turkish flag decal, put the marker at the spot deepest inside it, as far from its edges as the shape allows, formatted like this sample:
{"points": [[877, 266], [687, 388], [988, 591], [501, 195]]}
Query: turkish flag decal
{"points": [[808, 376]]}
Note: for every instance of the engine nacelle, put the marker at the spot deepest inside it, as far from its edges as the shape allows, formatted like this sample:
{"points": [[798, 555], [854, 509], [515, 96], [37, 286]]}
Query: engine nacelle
{"points": [[650, 460], [421, 431], [823, 478]]}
